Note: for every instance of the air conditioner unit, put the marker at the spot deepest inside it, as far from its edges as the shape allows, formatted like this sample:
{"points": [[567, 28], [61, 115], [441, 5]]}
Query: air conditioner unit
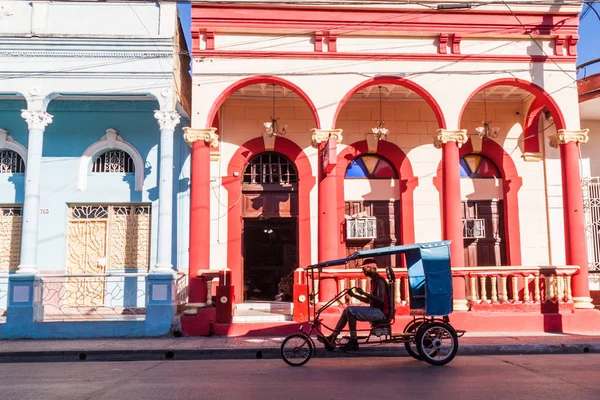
{"points": [[361, 228], [473, 228]]}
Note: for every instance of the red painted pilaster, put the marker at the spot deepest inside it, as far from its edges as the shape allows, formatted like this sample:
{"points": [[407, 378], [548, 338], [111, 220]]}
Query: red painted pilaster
{"points": [[200, 140], [575, 240], [328, 229], [450, 141]]}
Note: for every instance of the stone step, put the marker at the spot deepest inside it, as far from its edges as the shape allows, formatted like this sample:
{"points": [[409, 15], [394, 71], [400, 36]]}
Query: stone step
{"points": [[254, 316], [275, 306]]}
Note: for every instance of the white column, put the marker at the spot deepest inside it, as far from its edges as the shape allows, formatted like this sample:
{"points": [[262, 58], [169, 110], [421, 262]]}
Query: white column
{"points": [[167, 120], [37, 122]]}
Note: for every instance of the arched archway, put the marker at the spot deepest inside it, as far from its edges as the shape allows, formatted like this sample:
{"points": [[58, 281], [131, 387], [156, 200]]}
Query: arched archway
{"points": [[394, 80], [408, 183], [233, 184], [540, 94], [268, 79]]}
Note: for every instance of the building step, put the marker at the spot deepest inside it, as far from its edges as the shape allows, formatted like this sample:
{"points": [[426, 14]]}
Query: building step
{"points": [[259, 316], [274, 306]]}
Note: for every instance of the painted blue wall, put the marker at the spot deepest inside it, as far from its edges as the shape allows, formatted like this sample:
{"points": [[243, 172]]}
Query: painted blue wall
{"points": [[12, 185], [77, 125]]}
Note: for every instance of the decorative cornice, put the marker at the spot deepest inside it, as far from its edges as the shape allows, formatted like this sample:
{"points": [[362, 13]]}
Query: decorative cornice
{"points": [[565, 136], [322, 135], [207, 135], [444, 136], [36, 119], [167, 120], [84, 54]]}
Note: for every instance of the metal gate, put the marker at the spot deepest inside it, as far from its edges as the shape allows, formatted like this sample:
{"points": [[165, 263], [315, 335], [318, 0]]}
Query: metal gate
{"points": [[591, 207], [10, 237]]}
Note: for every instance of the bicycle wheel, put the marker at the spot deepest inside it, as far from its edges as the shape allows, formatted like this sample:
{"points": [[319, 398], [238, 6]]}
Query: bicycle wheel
{"points": [[437, 343], [296, 350], [411, 347]]}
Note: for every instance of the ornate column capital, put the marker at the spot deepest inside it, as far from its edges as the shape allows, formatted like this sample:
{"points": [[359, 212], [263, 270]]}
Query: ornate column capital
{"points": [[565, 136], [167, 119], [36, 119], [322, 135], [207, 135], [444, 136]]}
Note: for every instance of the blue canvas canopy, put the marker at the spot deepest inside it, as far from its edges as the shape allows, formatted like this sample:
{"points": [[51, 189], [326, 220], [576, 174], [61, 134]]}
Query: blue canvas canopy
{"points": [[429, 273]]}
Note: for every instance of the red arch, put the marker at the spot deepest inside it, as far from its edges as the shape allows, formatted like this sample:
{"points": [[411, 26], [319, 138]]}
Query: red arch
{"points": [[395, 80], [540, 94], [408, 183], [233, 185], [261, 79], [530, 130], [512, 183]]}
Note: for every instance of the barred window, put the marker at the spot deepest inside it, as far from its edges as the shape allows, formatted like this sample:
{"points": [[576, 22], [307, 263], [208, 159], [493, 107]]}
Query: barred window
{"points": [[114, 161], [268, 168], [11, 162]]}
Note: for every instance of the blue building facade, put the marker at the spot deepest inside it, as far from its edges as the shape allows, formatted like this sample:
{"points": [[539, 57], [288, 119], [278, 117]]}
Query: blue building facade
{"points": [[94, 173]]}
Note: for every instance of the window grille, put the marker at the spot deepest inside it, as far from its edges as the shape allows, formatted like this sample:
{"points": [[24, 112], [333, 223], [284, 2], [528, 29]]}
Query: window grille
{"points": [[270, 168], [117, 234], [11, 162], [10, 237], [591, 208], [473, 228], [361, 228], [114, 161]]}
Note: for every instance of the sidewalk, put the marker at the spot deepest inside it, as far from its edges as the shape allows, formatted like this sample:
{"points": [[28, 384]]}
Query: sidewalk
{"points": [[215, 348]]}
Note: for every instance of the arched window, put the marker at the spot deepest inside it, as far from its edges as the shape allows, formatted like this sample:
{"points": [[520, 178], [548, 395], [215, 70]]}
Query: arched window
{"points": [[477, 166], [371, 167], [11, 162], [114, 161], [270, 168]]}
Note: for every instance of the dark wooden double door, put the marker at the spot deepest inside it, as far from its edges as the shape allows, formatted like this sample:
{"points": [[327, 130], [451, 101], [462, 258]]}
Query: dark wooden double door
{"points": [[489, 250]]}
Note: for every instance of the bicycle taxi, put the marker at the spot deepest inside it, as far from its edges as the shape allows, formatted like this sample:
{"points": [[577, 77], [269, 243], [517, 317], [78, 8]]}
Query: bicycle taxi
{"points": [[428, 336]]}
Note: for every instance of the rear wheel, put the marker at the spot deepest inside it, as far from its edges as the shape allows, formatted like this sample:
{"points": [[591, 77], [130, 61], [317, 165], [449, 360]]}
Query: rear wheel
{"points": [[437, 343], [411, 347], [296, 350]]}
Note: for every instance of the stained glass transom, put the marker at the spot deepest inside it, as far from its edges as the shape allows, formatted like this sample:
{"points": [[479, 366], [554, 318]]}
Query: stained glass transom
{"points": [[476, 166], [267, 168], [371, 167], [114, 161], [11, 162]]}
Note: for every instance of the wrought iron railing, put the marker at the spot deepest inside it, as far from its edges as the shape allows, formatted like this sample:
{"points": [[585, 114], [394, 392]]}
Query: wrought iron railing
{"points": [[181, 286], [591, 207], [3, 297], [119, 296]]}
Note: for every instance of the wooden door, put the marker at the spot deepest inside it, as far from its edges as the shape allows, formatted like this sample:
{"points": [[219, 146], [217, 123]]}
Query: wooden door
{"points": [[490, 248]]}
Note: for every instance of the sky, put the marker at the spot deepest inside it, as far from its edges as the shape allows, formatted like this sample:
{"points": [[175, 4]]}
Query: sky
{"points": [[588, 47]]}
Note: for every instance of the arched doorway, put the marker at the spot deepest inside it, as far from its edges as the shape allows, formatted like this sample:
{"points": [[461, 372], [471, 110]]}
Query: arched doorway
{"points": [[270, 227], [482, 211]]}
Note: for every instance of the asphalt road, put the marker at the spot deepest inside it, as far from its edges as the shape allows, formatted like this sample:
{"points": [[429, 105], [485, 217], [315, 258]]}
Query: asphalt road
{"points": [[571, 377]]}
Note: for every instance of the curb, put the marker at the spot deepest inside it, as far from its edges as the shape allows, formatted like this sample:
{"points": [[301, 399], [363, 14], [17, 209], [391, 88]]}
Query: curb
{"points": [[275, 353]]}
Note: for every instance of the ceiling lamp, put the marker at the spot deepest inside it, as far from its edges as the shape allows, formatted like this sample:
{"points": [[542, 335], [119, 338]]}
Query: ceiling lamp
{"points": [[272, 127], [485, 132], [380, 132]]}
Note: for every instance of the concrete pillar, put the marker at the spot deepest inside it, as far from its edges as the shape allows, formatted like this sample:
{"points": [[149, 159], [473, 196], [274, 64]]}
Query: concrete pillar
{"points": [[167, 121], [575, 241], [37, 122], [450, 141]]}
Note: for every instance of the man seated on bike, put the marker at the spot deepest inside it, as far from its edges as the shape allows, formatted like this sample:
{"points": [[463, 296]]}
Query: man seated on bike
{"points": [[378, 308]]}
